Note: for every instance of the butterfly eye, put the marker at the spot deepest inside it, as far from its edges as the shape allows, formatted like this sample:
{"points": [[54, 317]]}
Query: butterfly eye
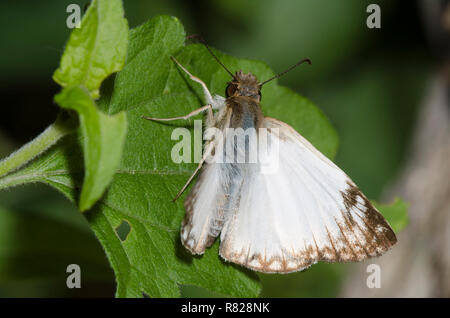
{"points": [[231, 89]]}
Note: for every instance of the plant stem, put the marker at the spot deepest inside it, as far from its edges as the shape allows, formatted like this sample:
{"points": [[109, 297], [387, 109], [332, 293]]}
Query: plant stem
{"points": [[53, 133]]}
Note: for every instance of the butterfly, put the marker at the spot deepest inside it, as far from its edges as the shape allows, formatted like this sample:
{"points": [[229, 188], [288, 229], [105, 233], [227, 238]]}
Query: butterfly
{"points": [[307, 211]]}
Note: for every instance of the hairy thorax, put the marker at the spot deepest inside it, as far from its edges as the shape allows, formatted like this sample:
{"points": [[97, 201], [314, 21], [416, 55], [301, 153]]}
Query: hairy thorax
{"points": [[246, 112]]}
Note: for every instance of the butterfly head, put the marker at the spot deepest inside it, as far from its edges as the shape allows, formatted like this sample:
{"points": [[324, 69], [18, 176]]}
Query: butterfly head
{"points": [[244, 84]]}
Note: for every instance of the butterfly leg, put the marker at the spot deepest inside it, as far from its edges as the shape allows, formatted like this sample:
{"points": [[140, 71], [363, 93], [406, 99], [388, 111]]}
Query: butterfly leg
{"points": [[208, 107], [212, 103], [208, 148], [207, 152], [209, 99]]}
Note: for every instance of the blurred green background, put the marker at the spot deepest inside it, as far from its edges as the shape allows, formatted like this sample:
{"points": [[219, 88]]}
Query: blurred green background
{"points": [[369, 82]]}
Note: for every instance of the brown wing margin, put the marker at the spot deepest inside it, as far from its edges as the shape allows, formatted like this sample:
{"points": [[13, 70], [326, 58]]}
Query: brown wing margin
{"points": [[361, 231]]}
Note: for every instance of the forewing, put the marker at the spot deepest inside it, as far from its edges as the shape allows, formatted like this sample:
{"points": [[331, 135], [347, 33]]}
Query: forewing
{"points": [[203, 219], [206, 203], [307, 211]]}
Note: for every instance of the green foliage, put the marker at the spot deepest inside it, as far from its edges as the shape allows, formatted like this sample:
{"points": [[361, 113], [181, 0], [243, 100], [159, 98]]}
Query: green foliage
{"points": [[96, 49], [103, 142], [148, 258]]}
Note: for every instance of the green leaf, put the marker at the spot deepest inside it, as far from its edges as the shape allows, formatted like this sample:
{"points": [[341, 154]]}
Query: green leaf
{"points": [[96, 49], [149, 258], [396, 213], [103, 139]]}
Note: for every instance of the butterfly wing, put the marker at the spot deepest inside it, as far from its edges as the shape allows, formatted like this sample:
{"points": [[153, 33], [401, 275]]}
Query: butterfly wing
{"points": [[308, 211], [203, 220], [206, 203]]}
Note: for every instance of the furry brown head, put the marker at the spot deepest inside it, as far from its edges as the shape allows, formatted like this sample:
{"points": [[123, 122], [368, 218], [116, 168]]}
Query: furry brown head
{"points": [[244, 85]]}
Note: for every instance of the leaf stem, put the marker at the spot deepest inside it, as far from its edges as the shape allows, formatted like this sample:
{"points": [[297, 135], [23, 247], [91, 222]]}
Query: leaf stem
{"points": [[61, 127]]}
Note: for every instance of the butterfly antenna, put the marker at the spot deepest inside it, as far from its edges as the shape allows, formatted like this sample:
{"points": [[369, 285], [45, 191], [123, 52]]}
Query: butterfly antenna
{"points": [[200, 39], [289, 69]]}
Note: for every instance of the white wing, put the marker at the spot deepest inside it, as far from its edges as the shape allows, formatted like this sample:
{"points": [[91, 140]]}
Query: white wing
{"points": [[308, 211], [206, 203], [203, 220]]}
